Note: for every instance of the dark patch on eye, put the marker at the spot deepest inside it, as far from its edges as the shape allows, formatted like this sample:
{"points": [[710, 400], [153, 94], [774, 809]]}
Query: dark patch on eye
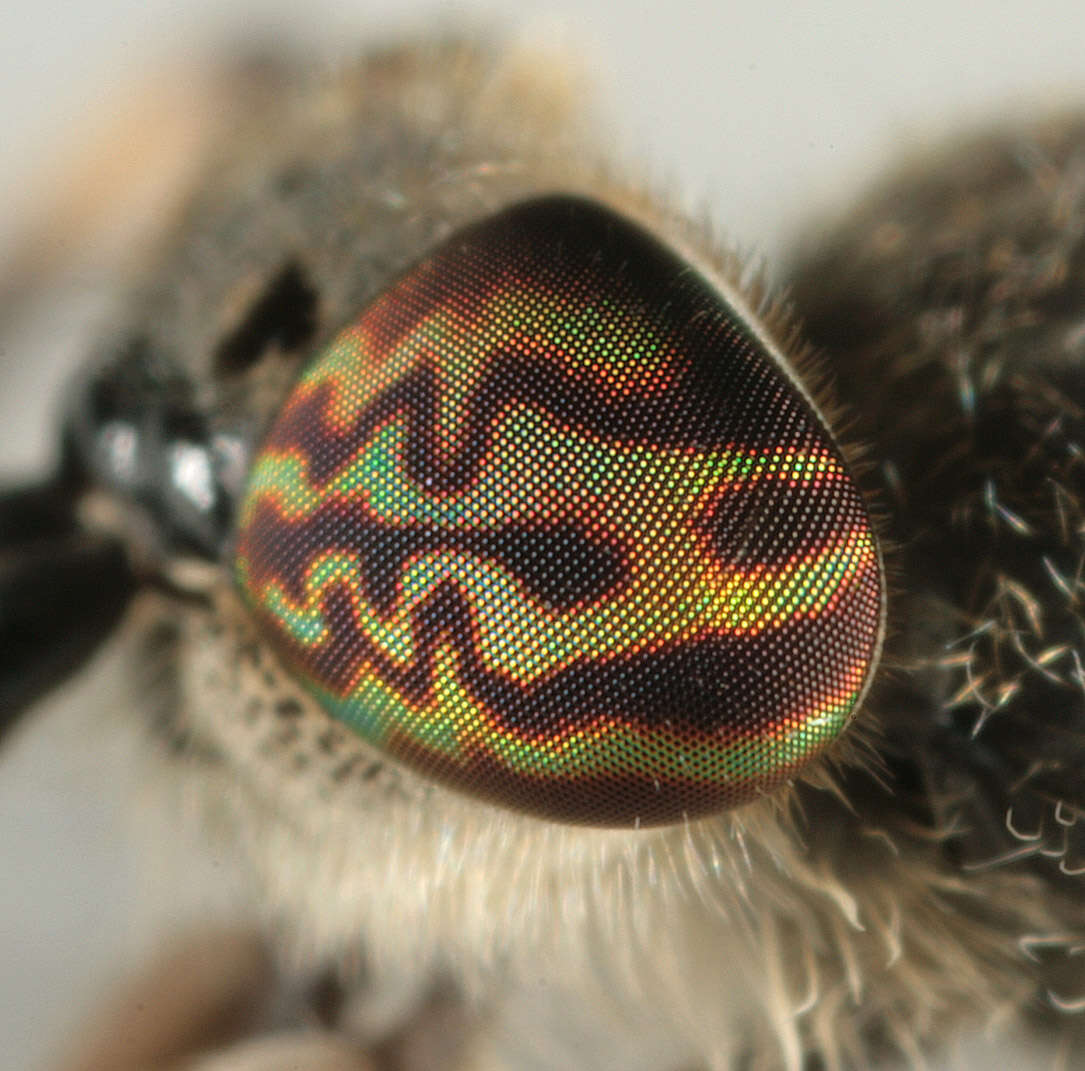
{"points": [[560, 564], [284, 315], [734, 521]]}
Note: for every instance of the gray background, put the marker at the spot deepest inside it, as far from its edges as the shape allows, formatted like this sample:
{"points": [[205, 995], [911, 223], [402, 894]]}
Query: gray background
{"points": [[768, 113]]}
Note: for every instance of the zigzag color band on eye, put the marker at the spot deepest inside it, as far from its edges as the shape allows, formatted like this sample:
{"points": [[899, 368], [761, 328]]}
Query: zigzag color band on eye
{"points": [[548, 523]]}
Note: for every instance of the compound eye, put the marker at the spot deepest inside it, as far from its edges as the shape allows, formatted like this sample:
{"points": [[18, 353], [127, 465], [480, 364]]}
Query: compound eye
{"points": [[552, 523]]}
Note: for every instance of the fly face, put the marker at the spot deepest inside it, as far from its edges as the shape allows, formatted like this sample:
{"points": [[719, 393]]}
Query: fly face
{"points": [[522, 613]]}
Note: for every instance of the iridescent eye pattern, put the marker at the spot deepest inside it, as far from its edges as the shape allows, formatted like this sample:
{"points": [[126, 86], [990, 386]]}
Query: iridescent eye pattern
{"points": [[551, 524]]}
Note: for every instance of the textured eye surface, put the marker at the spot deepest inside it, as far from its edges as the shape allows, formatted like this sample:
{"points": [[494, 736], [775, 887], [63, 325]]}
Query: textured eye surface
{"points": [[550, 523]]}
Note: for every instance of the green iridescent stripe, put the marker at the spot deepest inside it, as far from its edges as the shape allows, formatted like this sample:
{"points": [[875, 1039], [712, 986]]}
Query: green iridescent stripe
{"points": [[599, 337], [617, 750], [582, 470]]}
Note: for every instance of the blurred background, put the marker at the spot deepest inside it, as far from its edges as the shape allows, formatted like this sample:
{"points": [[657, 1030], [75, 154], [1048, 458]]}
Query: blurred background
{"points": [[768, 114]]}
